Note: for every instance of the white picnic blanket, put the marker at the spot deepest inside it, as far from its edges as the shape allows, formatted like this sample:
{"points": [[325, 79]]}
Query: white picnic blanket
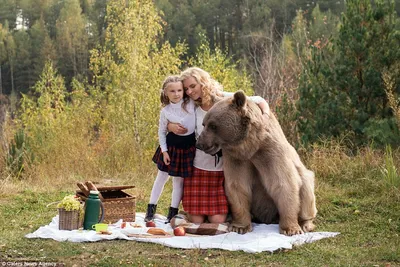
{"points": [[263, 237]]}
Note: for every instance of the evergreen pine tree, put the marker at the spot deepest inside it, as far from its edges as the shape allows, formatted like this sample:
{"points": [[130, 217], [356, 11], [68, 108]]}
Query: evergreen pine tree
{"points": [[343, 90]]}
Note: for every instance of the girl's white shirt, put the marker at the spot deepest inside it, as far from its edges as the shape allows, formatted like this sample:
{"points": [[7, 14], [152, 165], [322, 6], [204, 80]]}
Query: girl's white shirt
{"points": [[174, 112]]}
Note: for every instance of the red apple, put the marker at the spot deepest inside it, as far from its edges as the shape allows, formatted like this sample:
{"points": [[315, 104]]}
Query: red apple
{"points": [[150, 224], [179, 231]]}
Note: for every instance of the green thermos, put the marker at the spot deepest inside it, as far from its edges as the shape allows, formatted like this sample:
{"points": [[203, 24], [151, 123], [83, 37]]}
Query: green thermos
{"points": [[93, 206]]}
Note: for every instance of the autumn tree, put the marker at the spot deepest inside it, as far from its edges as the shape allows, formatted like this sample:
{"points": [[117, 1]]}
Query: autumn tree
{"points": [[128, 72], [221, 67], [42, 112]]}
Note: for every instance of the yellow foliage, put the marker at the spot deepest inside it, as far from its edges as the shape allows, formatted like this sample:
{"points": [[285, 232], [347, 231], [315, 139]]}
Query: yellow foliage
{"points": [[221, 68], [109, 127], [393, 98], [128, 73]]}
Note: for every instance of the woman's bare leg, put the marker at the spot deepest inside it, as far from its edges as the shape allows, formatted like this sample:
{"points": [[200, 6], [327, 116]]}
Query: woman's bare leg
{"points": [[219, 218], [196, 218]]}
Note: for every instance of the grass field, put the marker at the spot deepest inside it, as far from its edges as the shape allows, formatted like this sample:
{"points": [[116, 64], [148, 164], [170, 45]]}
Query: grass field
{"points": [[355, 196]]}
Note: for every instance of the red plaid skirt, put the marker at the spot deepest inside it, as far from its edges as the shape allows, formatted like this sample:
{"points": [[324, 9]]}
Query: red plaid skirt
{"points": [[204, 194]]}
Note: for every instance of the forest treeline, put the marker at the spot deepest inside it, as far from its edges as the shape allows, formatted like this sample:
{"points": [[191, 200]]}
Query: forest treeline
{"points": [[65, 32], [79, 79], [33, 32]]}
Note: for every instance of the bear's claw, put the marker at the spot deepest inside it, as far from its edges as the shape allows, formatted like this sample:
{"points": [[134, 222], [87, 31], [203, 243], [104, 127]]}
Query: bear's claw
{"points": [[291, 231], [239, 228], [307, 226]]}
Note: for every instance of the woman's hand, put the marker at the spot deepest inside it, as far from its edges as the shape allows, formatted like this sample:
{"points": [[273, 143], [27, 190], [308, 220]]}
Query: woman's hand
{"points": [[166, 158], [176, 128], [263, 105], [220, 93]]}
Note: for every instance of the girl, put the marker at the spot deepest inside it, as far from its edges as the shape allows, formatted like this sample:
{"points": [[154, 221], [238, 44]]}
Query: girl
{"points": [[175, 154]]}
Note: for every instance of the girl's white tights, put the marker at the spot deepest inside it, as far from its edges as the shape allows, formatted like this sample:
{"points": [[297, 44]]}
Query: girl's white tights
{"points": [[158, 187]]}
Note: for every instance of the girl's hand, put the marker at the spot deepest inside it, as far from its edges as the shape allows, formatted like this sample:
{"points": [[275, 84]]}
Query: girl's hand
{"points": [[166, 158], [176, 128]]}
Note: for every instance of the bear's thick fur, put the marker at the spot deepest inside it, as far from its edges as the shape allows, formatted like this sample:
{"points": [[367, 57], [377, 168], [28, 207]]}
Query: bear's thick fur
{"points": [[265, 179]]}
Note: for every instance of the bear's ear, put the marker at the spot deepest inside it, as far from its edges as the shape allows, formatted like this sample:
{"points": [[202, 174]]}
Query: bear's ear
{"points": [[239, 99]]}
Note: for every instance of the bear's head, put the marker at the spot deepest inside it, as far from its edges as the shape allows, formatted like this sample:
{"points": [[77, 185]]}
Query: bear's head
{"points": [[227, 123]]}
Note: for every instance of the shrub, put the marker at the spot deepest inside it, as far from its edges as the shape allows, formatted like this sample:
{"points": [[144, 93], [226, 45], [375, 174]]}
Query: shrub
{"points": [[389, 170], [19, 154]]}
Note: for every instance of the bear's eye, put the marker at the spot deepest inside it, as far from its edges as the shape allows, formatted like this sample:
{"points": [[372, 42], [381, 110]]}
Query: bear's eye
{"points": [[212, 126]]}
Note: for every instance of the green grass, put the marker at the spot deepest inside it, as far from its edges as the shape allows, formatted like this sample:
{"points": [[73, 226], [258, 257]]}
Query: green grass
{"points": [[353, 198]]}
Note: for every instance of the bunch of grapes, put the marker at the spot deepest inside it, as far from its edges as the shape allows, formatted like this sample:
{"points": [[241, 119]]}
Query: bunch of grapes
{"points": [[69, 203]]}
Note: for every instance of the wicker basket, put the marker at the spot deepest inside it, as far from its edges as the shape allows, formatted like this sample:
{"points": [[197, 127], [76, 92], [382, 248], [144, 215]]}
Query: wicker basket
{"points": [[117, 203], [69, 220]]}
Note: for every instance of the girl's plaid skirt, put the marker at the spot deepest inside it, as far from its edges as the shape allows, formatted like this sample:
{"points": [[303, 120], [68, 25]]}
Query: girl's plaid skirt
{"points": [[181, 164], [204, 194]]}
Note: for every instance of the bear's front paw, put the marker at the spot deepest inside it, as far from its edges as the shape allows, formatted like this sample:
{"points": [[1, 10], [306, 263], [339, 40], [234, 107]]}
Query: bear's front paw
{"points": [[240, 228], [307, 226], [289, 231]]}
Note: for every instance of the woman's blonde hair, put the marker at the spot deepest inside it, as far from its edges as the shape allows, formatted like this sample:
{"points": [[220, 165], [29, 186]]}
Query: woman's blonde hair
{"points": [[163, 97], [209, 86]]}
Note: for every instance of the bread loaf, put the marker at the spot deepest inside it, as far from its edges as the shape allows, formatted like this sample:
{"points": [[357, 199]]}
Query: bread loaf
{"points": [[156, 231]]}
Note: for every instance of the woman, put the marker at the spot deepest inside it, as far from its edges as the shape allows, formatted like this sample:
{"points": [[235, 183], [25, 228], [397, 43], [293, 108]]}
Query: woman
{"points": [[203, 192]]}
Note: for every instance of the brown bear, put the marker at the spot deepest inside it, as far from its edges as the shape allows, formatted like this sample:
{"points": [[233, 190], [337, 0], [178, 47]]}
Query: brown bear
{"points": [[265, 179]]}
